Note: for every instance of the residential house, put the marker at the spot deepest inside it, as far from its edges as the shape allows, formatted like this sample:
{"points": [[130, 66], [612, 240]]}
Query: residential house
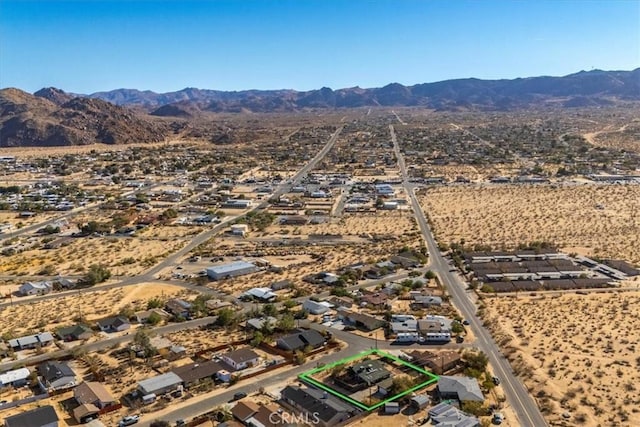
{"points": [[425, 301], [435, 328], [194, 373], [16, 378], [259, 322], [316, 307], [281, 284], [360, 320], [114, 324], [160, 384], [328, 410], [369, 372], [143, 316], [85, 413], [300, 339], [438, 363], [403, 325], [216, 304], [269, 415], [244, 410], [94, 393], [55, 376], [344, 302], [463, 389], [259, 294], [35, 288], [241, 358], [445, 414], [178, 308], [31, 341], [376, 299], [75, 332], [44, 416]]}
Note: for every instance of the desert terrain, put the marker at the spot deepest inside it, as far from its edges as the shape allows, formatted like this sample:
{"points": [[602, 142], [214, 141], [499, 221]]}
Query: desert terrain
{"points": [[578, 354], [89, 307], [589, 219]]}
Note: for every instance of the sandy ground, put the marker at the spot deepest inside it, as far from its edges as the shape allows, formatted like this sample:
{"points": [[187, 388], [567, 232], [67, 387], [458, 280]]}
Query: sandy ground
{"points": [[598, 220], [124, 256], [81, 149], [14, 219], [578, 354], [52, 314]]}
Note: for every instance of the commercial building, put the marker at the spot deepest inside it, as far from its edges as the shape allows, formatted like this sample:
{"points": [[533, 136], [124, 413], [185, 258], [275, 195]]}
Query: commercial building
{"points": [[233, 269]]}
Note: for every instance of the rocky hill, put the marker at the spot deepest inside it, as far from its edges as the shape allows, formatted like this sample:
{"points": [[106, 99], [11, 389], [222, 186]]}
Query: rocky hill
{"points": [[54, 118], [581, 89]]}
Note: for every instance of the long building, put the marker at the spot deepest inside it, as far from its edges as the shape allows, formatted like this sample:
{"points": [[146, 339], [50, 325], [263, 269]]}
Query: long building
{"points": [[234, 269]]}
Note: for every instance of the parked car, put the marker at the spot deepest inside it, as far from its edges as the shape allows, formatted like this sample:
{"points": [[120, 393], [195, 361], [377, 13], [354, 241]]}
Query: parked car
{"points": [[239, 395], [181, 423], [496, 380], [129, 420]]}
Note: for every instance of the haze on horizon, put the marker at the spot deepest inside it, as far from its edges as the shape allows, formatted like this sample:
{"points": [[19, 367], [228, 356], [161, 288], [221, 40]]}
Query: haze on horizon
{"points": [[90, 46]]}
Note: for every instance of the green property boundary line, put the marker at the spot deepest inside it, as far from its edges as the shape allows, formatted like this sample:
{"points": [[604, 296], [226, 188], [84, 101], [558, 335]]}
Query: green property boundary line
{"points": [[307, 377]]}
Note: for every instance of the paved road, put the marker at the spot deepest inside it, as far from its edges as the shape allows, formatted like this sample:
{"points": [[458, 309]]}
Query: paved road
{"points": [[107, 343], [171, 260], [517, 395]]}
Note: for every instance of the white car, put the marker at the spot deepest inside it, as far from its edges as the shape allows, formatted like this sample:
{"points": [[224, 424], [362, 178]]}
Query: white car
{"points": [[129, 420]]}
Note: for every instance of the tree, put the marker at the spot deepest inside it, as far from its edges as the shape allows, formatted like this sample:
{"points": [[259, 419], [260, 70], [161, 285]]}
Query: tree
{"points": [[267, 328], [299, 357], [289, 304], [258, 338], [226, 317], [476, 363], [155, 303], [474, 408], [97, 273], [457, 328], [143, 343], [429, 275], [269, 310], [154, 318], [286, 323]]}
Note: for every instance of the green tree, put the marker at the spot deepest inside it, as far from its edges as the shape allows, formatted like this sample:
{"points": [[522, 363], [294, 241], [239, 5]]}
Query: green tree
{"points": [[142, 341], [156, 302], [429, 275], [97, 273], [457, 328], [226, 317], [257, 339], [154, 318], [289, 304], [286, 323], [269, 310]]}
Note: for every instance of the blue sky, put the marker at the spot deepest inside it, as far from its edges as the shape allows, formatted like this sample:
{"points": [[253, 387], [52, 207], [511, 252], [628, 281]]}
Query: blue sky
{"points": [[89, 46]]}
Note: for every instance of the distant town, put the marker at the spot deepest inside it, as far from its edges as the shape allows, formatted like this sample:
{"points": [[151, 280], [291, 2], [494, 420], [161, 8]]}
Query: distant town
{"points": [[364, 266]]}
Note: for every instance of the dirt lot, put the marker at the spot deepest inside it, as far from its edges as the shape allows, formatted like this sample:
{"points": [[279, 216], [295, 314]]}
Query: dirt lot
{"points": [[124, 256], [51, 314], [578, 354], [596, 220]]}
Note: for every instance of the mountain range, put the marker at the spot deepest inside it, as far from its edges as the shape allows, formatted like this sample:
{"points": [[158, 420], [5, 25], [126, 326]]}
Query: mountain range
{"points": [[53, 117], [583, 88]]}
